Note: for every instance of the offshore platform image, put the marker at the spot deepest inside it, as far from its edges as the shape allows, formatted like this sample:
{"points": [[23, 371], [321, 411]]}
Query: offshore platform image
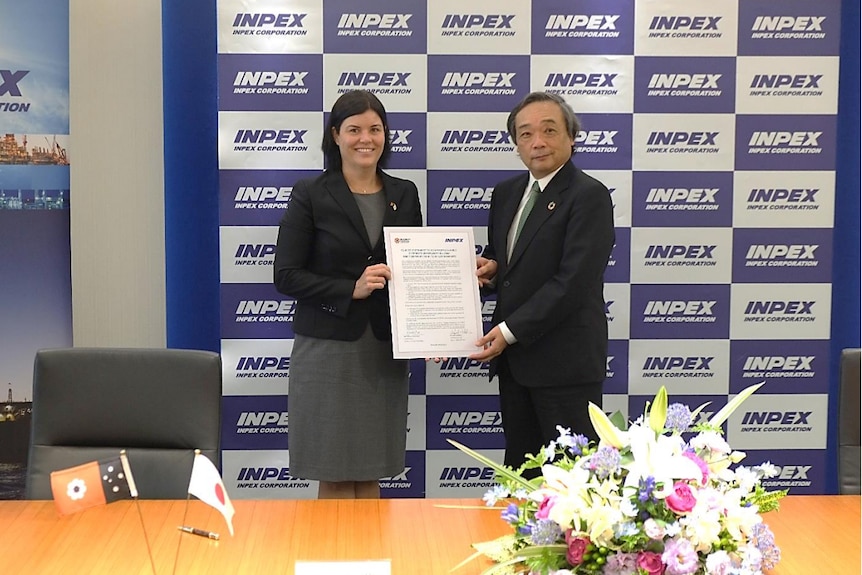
{"points": [[11, 153]]}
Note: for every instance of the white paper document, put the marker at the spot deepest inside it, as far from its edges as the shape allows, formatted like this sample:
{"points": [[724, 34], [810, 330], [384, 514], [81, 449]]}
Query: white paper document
{"points": [[434, 293]]}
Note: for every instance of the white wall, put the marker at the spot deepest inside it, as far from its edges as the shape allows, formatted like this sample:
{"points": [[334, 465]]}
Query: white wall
{"points": [[117, 174]]}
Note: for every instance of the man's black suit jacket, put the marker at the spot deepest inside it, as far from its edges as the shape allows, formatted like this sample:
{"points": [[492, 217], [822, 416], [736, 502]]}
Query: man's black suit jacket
{"points": [[323, 248], [550, 293]]}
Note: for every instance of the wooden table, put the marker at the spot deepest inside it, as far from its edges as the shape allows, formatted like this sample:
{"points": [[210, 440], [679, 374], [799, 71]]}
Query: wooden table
{"points": [[817, 535]]}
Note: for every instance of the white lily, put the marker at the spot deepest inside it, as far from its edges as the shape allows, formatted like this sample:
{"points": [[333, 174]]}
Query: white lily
{"points": [[658, 457], [607, 431]]}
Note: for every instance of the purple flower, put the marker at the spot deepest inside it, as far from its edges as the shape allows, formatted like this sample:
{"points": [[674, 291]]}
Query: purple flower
{"points": [[680, 557], [605, 462], [545, 532], [511, 514], [576, 444], [764, 540], [646, 486], [678, 417], [620, 564]]}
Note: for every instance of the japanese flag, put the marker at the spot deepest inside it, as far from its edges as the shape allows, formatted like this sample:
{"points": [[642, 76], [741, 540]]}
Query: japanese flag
{"points": [[206, 485]]}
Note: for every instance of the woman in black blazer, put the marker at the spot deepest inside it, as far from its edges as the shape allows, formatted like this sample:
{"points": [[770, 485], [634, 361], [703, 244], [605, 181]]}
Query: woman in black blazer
{"points": [[347, 402]]}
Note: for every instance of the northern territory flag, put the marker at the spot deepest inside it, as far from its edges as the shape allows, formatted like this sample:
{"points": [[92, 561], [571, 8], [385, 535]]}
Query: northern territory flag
{"points": [[91, 484]]}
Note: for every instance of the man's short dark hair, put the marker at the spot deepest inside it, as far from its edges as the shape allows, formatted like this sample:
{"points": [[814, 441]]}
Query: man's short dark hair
{"points": [[350, 104], [573, 125]]}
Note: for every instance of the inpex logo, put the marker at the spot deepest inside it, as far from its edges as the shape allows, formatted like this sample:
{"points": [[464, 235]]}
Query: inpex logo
{"points": [[399, 140], [376, 82], [582, 26], [262, 367], [467, 477], [269, 82], [678, 366], [400, 481], [781, 366], [471, 422], [262, 197], [608, 312], [488, 308], [581, 84], [254, 254], [453, 240], [684, 85], [476, 141], [374, 25], [262, 422], [679, 311], [268, 478], [684, 27], [789, 476], [478, 83], [9, 82], [780, 311], [781, 255], [463, 367], [478, 25], [680, 142], [456, 198], [784, 143], [788, 27], [782, 199], [781, 421], [596, 141], [680, 255], [261, 24], [609, 371], [786, 85], [265, 311], [683, 199], [270, 141], [9, 86]]}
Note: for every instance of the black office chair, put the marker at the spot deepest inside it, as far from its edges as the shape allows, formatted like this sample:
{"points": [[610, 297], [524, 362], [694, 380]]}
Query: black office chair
{"points": [[849, 423], [158, 404]]}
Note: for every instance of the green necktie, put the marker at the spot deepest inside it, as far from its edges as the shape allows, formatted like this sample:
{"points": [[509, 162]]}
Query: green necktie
{"points": [[531, 201]]}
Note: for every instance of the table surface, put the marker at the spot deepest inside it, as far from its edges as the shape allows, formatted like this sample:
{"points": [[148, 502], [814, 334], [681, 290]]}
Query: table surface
{"points": [[816, 534]]}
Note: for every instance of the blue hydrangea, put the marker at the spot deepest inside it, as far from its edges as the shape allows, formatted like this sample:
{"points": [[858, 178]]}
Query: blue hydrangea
{"points": [[678, 417], [605, 462], [545, 532]]}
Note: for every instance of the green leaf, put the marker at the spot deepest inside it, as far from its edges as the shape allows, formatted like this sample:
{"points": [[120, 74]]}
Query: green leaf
{"points": [[720, 417], [658, 411], [619, 420], [501, 470]]}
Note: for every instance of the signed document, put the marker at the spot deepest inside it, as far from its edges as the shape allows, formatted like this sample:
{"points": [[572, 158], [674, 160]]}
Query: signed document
{"points": [[434, 293]]}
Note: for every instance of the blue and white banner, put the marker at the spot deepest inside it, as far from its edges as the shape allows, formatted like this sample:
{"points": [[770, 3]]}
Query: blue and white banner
{"points": [[713, 125]]}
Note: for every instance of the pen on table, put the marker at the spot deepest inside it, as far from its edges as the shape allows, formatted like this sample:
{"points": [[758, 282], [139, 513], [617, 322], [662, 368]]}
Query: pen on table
{"points": [[199, 532]]}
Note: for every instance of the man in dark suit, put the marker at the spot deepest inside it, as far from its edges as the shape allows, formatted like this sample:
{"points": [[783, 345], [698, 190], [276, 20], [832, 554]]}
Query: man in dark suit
{"points": [[550, 234]]}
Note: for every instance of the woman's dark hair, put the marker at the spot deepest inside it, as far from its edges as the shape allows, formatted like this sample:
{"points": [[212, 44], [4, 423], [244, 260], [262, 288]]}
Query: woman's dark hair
{"points": [[350, 104]]}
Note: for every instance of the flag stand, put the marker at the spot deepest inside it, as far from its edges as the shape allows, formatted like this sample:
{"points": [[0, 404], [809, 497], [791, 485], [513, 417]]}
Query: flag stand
{"points": [[180, 542], [146, 539], [133, 491]]}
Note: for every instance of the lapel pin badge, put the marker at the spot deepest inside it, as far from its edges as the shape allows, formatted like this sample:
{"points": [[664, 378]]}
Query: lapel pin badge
{"points": [[552, 205], [393, 206]]}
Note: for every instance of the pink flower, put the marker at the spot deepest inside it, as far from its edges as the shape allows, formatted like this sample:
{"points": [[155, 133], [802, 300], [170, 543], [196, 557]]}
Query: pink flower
{"points": [[545, 507], [704, 468], [650, 562], [577, 548], [681, 500]]}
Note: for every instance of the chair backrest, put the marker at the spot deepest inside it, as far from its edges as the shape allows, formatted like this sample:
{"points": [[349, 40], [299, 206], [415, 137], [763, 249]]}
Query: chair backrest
{"points": [[849, 423], [157, 404]]}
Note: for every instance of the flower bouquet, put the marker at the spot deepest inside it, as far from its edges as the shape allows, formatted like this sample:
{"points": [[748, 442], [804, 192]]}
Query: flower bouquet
{"points": [[656, 497]]}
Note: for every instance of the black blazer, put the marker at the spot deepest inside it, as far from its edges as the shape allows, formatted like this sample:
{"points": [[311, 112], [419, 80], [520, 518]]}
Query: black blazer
{"points": [[323, 248], [550, 293]]}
